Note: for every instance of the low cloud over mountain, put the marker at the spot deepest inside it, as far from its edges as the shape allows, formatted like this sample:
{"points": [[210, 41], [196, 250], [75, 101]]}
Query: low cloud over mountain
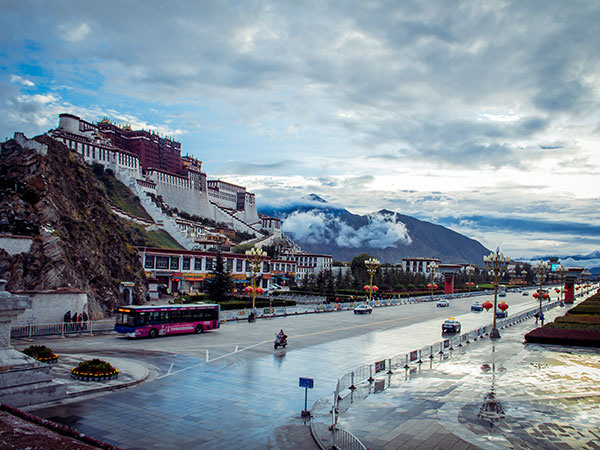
{"points": [[321, 227]]}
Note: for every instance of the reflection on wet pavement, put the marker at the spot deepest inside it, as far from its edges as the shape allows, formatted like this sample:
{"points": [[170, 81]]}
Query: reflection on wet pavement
{"points": [[502, 394]]}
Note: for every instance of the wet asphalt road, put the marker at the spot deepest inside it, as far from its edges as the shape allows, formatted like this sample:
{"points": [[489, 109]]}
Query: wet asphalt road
{"points": [[229, 388]]}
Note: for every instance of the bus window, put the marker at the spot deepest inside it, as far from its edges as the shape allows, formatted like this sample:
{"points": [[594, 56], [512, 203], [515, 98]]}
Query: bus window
{"points": [[175, 316], [153, 317], [140, 318]]}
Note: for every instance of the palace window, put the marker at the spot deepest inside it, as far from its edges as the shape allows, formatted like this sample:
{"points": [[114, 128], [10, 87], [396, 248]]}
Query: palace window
{"points": [[197, 263], [186, 263], [174, 263], [162, 262], [149, 263]]}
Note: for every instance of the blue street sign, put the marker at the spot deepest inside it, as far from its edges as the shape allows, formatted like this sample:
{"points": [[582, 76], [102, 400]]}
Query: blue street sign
{"points": [[307, 383]]}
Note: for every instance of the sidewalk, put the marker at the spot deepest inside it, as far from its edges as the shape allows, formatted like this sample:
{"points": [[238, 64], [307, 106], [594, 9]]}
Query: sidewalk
{"points": [[490, 394], [19, 429]]}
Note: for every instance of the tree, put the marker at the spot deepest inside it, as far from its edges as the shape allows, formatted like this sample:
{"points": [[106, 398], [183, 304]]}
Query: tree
{"points": [[359, 270], [220, 284]]}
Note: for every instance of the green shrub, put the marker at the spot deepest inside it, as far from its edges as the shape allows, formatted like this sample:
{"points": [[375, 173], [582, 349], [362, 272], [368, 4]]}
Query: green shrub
{"points": [[95, 366], [39, 352]]}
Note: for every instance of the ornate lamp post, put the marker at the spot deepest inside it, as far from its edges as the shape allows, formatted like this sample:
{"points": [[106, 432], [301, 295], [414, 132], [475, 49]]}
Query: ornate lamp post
{"points": [[432, 268], [255, 257], [495, 262], [561, 272], [371, 264], [541, 269], [469, 270]]}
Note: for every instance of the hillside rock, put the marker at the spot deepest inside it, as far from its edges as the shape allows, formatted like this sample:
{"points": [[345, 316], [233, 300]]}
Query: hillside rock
{"points": [[77, 241]]}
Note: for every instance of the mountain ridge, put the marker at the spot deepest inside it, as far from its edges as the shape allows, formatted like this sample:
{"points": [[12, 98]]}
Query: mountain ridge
{"points": [[320, 227]]}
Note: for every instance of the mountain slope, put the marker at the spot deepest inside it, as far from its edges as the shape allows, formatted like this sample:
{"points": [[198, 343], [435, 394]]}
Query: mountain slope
{"points": [[320, 227], [77, 241]]}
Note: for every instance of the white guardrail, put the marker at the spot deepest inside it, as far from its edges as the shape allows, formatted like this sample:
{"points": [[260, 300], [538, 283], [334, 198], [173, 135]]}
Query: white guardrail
{"points": [[107, 325]]}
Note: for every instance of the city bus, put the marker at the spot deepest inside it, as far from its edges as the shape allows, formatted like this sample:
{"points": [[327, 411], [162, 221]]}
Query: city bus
{"points": [[152, 321]]}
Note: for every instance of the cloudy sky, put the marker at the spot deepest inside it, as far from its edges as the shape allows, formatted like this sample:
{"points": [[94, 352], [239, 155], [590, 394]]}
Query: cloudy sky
{"points": [[480, 116]]}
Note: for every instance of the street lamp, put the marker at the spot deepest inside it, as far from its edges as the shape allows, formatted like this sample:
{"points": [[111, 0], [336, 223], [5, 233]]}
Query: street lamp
{"points": [[495, 262], [255, 257], [371, 264], [432, 266], [469, 270], [561, 272], [542, 269]]}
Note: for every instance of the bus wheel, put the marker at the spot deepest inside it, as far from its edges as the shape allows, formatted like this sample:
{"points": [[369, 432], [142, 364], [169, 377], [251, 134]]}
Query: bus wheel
{"points": [[199, 329], [153, 333]]}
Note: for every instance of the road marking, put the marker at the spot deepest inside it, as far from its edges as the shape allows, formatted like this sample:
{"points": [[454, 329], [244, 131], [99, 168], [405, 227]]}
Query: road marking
{"points": [[170, 367], [169, 373]]}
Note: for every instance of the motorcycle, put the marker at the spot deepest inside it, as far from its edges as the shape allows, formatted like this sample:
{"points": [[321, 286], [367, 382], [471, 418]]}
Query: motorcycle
{"points": [[280, 341]]}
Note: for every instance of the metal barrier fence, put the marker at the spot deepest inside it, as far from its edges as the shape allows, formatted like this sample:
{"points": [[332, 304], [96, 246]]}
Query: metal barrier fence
{"points": [[367, 373], [62, 329], [344, 440]]}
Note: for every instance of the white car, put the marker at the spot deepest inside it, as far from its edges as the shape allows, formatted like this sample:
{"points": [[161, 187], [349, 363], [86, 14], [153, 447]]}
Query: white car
{"points": [[442, 303], [363, 309]]}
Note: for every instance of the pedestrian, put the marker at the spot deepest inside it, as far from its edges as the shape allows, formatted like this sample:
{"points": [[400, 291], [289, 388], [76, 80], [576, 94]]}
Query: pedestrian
{"points": [[537, 317], [84, 319], [79, 321], [67, 320]]}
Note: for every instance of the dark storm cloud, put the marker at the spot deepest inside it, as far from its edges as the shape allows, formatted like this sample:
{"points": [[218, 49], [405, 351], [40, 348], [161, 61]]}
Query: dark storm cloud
{"points": [[256, 168]]}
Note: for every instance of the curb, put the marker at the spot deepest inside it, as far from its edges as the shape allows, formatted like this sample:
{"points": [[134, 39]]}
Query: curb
{"points": [[109, 388]]}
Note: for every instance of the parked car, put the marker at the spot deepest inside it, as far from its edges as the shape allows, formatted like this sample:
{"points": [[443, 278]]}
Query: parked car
{"points": [[451, 325], [442, 303], [501, 314], [477, 306], [363, 309]]}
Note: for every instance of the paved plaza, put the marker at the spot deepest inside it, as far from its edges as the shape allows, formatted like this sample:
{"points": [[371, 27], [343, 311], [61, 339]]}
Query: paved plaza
{"points": [[489, 394]]}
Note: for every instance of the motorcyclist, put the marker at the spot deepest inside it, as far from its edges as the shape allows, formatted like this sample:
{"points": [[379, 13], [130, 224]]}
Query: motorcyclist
{"points": [[252, 317], [281, 336]]}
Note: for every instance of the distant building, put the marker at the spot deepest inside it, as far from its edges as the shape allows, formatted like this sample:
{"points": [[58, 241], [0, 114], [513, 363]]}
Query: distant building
{"points": [[418, 265], [309, 264], [188, 270]]}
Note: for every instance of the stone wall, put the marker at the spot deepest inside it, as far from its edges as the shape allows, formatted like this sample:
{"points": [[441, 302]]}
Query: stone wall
{"points": [[51, 306]]}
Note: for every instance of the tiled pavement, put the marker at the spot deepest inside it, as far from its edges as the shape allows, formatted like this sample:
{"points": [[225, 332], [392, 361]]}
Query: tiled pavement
{"points": [[489, 394]]}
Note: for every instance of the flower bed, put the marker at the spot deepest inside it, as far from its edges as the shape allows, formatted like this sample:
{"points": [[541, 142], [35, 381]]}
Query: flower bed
{"points": [[41, 353], [561, 336], [94, 370], [579, 327]]}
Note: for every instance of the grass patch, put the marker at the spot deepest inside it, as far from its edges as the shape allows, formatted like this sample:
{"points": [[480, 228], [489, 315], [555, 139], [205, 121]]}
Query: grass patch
{"points": [[120, 194]]}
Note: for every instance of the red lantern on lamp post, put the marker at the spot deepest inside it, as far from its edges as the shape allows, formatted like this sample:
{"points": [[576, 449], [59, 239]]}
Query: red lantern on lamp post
{"points": [[487, 305], [248, 289], [503, 306], [375, 288]]}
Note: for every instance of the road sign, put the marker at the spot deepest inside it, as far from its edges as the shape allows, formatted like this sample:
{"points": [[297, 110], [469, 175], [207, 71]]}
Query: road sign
{"points": [[306, 383]]}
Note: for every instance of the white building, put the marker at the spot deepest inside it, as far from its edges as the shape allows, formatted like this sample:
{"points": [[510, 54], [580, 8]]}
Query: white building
{"points": [[309, 264]]}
